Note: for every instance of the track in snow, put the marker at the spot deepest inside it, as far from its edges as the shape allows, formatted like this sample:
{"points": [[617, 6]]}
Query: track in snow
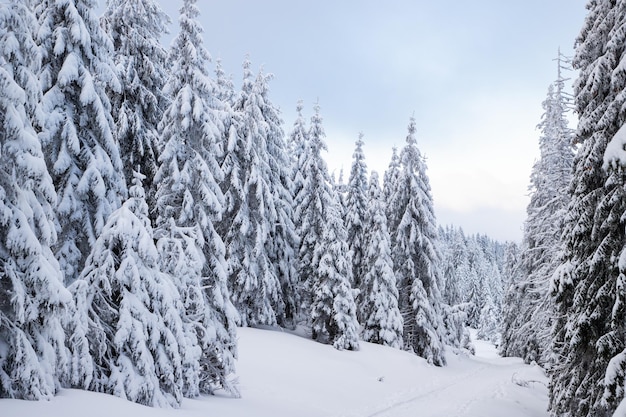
{"points": [[484, 391], [426, 395]]}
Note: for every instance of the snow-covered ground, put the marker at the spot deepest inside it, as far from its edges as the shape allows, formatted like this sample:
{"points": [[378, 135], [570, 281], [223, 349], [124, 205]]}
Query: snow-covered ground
{"points": [[284, 375]]}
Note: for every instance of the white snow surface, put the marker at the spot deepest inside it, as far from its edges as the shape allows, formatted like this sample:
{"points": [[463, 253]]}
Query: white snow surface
{"points": [[283, 374], [615, 152]]}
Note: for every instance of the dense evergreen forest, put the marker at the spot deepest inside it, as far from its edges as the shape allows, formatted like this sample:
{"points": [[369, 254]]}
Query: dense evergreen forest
{"points": [[149, 207]]}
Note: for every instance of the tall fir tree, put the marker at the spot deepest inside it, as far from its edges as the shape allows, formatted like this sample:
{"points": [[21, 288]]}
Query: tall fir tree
{"points": [[415, 255], [225, 88], [253, 283], [379, 312], [511, 319], [324, 264], [81, 152], [589, 333], [283, 242], [182, 261], [190, 202], [549, 180], [356, 214], [298, 142], [258, 225], [135, 28], [33, 300], [310, 202], [132, 311], [333, 309], [390, 180]]}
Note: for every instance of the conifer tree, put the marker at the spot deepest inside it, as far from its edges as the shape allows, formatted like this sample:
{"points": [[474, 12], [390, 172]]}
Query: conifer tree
{"points": [[588, 378], [181, 260], [82, 155], [132, 310], [225, 91], [252, 280], [415, 256], [379, 310], [530, 335], [324, 265], [33, 300], [512, 320], [135, 28], [333, 310], [389, 186], [340, 186], [298, 150], [310, 202], [298, 142], [283, 241], [356, 214], [258, 225], [190, 202]]}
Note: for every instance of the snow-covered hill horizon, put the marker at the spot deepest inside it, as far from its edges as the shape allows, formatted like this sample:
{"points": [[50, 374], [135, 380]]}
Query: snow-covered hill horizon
{"points": [[283, 374]]}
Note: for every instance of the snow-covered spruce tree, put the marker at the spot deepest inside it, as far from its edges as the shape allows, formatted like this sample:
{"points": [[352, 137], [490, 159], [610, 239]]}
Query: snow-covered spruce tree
{"points": [[333, 309], [283, 241], [415, 256], [511, 319], [253, 283], [510, 263], [225, 91], [310, 203], [390, 179], [340, 188], [380, 315], [324, 263], [259, 232], [182, 261], [33, 299], [549, 180], [298, 142], [298, 150], [356, 214], [132, 311], [587, 379], [136, 27], [81, 152], [190, 202]]}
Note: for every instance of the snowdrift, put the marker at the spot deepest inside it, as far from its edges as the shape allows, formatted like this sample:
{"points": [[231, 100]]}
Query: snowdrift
{"points": [[282, 374]]}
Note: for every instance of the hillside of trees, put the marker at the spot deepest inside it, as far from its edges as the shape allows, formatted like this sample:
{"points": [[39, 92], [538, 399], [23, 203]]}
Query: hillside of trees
{"points": [[149, 207]]}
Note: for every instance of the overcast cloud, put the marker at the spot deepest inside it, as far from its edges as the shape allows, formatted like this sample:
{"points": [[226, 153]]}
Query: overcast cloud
{"points": [[474, 73]]}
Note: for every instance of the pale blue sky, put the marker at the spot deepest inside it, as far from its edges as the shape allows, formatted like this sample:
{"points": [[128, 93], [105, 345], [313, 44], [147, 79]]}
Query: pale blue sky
{"points": [[474, 73]]}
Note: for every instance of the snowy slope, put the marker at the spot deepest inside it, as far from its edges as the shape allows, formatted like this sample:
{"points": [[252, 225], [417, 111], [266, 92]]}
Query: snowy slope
{"points": [[284, 375]]}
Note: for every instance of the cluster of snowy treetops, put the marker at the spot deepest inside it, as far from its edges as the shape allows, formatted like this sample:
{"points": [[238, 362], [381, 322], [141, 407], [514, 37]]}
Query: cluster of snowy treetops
{"points": [[566, 306], [147, 208], [475, 271]]}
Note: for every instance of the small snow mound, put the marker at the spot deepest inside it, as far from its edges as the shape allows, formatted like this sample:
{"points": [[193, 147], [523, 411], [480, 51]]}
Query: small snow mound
{"points": [[615, 154]]}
